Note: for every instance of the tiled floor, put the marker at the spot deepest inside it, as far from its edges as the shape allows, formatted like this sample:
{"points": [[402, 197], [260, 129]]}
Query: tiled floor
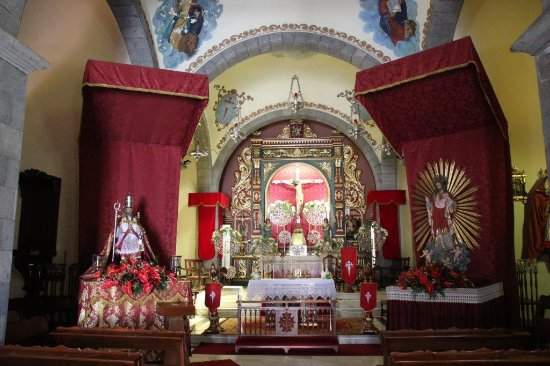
{"points": [[251, 360]]}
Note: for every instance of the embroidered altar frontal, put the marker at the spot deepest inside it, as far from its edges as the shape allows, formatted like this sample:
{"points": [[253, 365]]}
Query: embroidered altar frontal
{"points": [[111, 307]]}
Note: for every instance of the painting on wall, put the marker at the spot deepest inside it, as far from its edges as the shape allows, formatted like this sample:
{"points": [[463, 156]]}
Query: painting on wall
{"points": [[181, 26], [393, 24]]}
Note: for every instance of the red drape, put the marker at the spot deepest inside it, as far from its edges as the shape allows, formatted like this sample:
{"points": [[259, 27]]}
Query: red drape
{"points": [[452, 113], [348, 257], [137, 122], [388, 202], [207, 202]]}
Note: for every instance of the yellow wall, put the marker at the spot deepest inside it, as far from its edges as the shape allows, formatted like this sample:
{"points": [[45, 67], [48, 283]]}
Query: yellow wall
{"points": [[66, 33], [187, 237], [494, 25]]}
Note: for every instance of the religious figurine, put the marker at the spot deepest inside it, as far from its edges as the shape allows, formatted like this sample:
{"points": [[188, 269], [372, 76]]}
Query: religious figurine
{"points": [[349, 227], [536, 225], [444, 246], [327, 231], [297, 185], [128, 239], [266, 230]]}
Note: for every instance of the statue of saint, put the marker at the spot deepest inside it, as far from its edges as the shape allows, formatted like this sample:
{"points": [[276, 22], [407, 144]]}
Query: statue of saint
{"points": [[297, 185], [128, 239], [266, 230], [327, 231], [440, 208], [444, 246]]}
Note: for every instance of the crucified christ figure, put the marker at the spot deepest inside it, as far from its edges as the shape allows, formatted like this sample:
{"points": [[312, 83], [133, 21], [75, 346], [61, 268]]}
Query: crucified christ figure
{"points": [[296, 183]]}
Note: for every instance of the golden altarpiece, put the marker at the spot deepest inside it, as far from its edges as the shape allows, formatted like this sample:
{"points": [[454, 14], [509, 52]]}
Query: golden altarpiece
{"points": [[335, 160]]}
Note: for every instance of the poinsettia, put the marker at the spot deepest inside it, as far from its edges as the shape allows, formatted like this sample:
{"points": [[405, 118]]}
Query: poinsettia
{"points": [[432, 279], [135, 277]]}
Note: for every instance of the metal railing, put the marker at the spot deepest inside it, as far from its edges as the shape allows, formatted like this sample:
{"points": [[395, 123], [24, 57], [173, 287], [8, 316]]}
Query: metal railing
{"points": [[526, 272], [287, 317]]}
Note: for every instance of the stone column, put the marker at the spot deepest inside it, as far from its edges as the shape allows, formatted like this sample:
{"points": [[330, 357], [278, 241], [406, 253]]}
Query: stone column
{"points": [[536, 42], [16, 62]]}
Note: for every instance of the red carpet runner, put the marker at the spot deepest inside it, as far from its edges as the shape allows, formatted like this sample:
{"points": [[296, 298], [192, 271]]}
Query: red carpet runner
{"points": [[343, 350]]}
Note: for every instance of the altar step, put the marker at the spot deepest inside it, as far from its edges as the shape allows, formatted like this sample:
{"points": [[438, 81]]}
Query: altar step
{"points": [[287, 343], [224, 338]]}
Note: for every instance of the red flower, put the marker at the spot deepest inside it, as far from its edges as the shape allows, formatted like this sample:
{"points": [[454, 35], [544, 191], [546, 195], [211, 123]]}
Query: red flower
{"points": [[127, 288]]}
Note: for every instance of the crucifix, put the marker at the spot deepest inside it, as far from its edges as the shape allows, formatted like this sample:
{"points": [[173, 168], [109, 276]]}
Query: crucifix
{"points": [[297, 184]]}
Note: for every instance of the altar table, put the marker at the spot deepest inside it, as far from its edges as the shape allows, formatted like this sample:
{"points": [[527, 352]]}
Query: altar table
{"points": [[309, 266], [460, 308], [110, 307], [297, 288]]}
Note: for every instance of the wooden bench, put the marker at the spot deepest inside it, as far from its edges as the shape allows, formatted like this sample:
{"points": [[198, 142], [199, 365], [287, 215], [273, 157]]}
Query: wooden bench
{"points": [[470, 358], [172, 342], [64, 356], [452, 339]]}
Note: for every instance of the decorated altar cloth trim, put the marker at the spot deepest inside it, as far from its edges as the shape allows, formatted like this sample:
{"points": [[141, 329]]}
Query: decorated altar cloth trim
{"points": [[154, 91], [478, 295], [110, 307], [145, 79], [298, 288]]}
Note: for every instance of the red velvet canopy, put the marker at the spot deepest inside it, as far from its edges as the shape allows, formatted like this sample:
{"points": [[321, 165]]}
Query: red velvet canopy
{"points": [[137, 122], [439, 104]]}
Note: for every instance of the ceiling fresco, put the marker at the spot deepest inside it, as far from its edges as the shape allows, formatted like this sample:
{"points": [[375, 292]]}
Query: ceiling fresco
{"points": [[186, 30]]}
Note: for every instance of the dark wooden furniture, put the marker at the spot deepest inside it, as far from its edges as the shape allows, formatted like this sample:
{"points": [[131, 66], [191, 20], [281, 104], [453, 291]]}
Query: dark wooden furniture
{"points": [[452, 339], [542, 325], [195, 273], [172, 342], [64, 356], [176, 318], [470, 358]]}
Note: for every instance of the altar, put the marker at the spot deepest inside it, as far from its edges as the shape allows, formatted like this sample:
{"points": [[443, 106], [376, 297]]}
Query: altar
{"points": [[458, 307], [291, 288], [102, 306], [309, 266]]}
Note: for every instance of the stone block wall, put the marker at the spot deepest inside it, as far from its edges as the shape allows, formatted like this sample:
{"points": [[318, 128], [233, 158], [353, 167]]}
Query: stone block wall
{"points": [[16, 62]]}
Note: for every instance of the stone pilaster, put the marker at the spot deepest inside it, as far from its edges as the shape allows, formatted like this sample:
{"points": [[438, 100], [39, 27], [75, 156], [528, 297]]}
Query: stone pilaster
{"points": [[16, 62]]}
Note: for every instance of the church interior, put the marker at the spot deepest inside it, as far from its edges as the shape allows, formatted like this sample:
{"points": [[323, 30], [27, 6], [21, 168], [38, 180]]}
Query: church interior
{"points": [[238, 182]]}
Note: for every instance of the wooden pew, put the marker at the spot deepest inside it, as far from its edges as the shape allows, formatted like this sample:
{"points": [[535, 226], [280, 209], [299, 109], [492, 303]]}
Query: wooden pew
{"points": [[470, 358], [452, 339], [64, 356], [172, 342]]}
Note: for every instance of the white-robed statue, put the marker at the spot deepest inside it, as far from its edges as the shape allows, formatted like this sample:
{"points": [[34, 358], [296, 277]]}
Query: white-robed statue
{"points": [[130, 238]]}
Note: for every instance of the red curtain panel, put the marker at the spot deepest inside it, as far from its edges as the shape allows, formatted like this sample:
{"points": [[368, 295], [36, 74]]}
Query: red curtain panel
{"points": [[137, 122], [439, 104], [206, 203]]}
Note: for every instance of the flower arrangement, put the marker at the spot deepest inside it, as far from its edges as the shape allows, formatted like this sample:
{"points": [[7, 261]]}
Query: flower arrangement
{"points": [[135, 277], [433, 279]]}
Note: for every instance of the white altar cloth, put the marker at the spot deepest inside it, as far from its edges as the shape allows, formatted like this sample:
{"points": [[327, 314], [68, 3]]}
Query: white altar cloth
{"points": [[289, 266], [300, 288], [476, 295]]}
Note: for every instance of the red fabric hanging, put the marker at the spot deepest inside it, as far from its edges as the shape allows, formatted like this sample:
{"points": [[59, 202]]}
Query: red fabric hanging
{"points": [[137, 123], [368, 295], [348, 257], [388, 202], [207, 201], [212, 296], [452, 114]]}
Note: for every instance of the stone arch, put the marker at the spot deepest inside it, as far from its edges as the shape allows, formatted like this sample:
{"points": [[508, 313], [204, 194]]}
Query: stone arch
{"points": [[384, 171], [358, 53], [136, 32]]}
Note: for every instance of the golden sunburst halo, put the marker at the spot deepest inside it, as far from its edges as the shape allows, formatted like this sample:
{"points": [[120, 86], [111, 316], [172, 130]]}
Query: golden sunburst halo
{"points": [[461, 190]]}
